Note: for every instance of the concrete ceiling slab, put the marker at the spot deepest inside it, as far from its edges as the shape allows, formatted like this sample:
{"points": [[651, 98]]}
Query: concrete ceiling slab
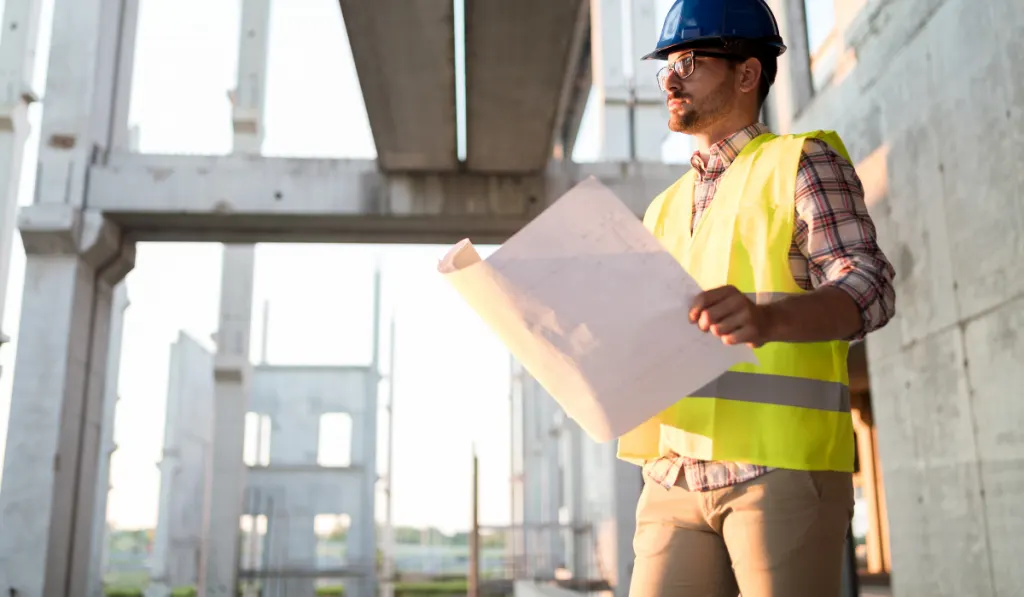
{"points": [[518, 55], [404, 53]]}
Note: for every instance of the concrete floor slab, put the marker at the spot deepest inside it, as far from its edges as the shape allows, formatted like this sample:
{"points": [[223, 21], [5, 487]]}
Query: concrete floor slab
{"points": [[517, 56], [404, 55]]}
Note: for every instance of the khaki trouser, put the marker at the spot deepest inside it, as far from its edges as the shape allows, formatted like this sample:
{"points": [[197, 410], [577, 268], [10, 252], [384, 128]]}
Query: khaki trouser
{"points": [[780, 535]]}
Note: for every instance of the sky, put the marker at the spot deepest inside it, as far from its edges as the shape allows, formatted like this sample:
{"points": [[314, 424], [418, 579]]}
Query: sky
{"points": [[449, 367]]}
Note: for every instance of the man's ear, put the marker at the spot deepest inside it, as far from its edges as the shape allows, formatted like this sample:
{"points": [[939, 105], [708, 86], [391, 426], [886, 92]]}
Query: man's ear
{"points": [[750, 75]]}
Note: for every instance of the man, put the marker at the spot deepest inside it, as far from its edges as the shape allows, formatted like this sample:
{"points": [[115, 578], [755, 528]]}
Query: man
{"points": [[748, 485]]}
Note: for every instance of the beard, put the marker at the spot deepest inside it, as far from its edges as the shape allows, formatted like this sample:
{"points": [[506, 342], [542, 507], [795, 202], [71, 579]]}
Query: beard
{"points": [[697, 115]]}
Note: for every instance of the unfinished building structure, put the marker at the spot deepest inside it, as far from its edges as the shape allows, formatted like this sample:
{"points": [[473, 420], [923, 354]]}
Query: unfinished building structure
{"points": [[572, 500], [300, 480], [927, 94], [96, 198], [926, 110], [279, 483]]}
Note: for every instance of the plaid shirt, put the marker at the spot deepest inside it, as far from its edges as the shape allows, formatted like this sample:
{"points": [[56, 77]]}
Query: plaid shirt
{"points": [[833, 245]]}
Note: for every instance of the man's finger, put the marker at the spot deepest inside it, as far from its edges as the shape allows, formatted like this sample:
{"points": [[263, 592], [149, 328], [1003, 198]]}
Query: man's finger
{"points": [[708, 298], [745, 334], [730, 324], [723, 309]]}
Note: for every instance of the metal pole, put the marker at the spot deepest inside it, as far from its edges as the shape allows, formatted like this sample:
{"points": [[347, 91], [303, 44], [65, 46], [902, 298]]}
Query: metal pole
{"points": [[388, 572], [474, 535], [513, 533], [266, 324]]}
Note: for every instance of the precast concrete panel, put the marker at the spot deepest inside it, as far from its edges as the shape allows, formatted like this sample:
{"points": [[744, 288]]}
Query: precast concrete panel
{"points": [[188, 432], [928, 96]]}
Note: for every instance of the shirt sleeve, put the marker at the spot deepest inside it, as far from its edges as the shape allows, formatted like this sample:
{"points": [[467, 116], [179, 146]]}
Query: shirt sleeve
{"points": [[836, 235]]}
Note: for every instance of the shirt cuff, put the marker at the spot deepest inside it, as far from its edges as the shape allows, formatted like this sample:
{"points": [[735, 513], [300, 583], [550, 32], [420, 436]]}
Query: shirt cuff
{"points": [[868, 298]]}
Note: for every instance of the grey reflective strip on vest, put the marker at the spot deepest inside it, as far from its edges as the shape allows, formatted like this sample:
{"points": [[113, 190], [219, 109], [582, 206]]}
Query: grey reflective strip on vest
{"points": [[763, 298], [778, 389]]}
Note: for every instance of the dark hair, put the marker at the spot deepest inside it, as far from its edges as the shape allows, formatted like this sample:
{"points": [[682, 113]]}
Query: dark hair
{"points": [[765, 54], [769, 68]]}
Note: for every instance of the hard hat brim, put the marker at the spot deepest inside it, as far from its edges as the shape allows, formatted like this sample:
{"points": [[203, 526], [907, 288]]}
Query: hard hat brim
{"points": [[771, 44]]}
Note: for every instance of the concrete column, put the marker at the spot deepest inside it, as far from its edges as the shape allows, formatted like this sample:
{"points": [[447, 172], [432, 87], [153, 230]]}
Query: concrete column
{"points": [[232, 376], [122, 139], [632, 114], [364, 453], [249, 97], [572, 483], [233, 369], [107, 445], [47, 506], [627, 483], [17, 64], [74, 260], [793, 88]]}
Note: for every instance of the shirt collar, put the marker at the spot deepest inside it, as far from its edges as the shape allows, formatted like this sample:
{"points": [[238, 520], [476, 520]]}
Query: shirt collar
{"points": [[725, 151]]}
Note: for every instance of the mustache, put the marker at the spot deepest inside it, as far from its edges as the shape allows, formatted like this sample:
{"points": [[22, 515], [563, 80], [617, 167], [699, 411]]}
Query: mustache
{"points": [[679, 95]]}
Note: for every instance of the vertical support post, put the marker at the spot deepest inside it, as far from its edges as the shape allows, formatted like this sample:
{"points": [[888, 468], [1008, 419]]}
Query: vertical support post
{"points": [[264, 341], [365, 526], [17, 92], [572, 437], [631, 106], [474, 535], [219, 557], [107, 445], [649, 129], [248, 99], [121, 138], [388, 572], [793, 88], [626, 487], [74, 258], [226, 471]]}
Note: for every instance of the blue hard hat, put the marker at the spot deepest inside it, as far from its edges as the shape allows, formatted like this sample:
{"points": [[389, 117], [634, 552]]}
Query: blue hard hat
{"points": [[696, 23]]}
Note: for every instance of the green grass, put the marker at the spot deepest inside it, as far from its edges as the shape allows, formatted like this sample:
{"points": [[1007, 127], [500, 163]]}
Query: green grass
{"points": [[409, 589], [443, 588], [139, 592]]}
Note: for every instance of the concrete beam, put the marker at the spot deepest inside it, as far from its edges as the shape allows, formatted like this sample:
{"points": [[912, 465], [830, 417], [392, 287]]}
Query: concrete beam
{"points": [[262, 199], [404, 54], [517, 57]]}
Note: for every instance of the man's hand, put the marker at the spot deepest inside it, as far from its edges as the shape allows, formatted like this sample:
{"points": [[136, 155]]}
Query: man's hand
{"points": [[729, 314]]}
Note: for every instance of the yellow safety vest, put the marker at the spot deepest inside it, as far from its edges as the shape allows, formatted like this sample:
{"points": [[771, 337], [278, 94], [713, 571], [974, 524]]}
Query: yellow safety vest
{"points": [[792, 410]]}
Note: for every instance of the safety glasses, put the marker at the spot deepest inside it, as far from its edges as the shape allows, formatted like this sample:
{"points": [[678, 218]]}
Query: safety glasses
{"points": [[684, 66]]}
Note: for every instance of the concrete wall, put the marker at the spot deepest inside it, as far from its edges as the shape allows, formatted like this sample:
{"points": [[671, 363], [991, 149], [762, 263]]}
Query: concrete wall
{"points": [[187, 436], [290, 491], [929, 98], [293, 488]]}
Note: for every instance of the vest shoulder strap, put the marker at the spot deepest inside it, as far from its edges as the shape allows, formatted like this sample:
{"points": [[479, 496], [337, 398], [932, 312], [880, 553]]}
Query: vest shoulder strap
{"points": [[654, 219]]}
